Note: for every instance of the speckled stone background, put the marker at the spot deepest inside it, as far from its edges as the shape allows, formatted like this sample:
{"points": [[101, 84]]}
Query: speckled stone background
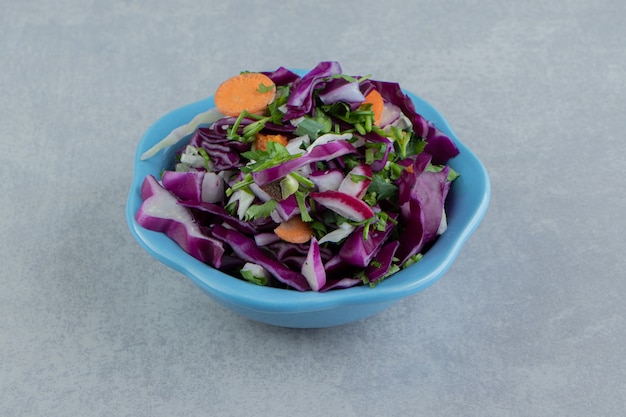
{"points": [[528, 322]]}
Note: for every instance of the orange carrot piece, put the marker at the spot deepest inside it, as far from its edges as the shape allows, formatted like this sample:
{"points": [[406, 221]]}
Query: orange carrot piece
{"points": [[261, 140], [250, 91], [376, 100], [294, 230]]}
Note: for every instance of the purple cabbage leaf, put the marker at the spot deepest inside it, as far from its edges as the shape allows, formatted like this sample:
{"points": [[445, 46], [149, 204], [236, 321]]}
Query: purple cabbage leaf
{"points": [[161, 212]]}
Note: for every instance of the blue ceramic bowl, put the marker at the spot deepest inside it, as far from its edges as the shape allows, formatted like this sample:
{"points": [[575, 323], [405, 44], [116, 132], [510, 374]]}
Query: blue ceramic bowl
{"points": [[466, 205]]}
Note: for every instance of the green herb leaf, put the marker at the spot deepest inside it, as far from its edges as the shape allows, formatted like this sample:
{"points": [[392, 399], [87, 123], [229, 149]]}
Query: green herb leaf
{"points": [[383, 187], [310, 127], [240, 185], [288, 186], [359, 118], [205, 156], [248, 131], [249, 276], [264, 88], [319, 228], [304, 181], [413, 259], [258, 211], [358, 178], [346, 77], [304, 212], [452, 174], [231, 207], [275, 154], [275, 114], [252, 129]]}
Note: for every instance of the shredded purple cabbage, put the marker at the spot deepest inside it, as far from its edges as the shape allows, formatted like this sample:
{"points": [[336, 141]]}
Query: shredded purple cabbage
{"points": [[224, 153], [340, 90], [246, 249], [282, 76], [327, 151], [301, 100], [374, 202], [439, 145]]}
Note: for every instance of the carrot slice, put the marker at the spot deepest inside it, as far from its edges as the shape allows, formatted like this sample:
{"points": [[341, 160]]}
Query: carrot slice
{"points": [[376, 100], [294, 230], [261, 140], [250, 91]]}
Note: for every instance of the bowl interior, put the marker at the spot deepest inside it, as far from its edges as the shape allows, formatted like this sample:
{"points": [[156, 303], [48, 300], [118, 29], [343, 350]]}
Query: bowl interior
{"points": [[466, 205]]}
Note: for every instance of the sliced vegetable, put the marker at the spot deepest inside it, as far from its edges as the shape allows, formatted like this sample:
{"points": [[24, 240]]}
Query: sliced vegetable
{"points": [[313, 268], [390, 114], [245, 248], [339, 234], [340, 284], [376, 101], [282, 76], [195, 185], [242, 199], [430, 191], [357, 181], [440, 146], [176, 135], [218, 213], [294, 230], [341, 90], [344, 204], [255, 273], [378, 270], [327, 138], [264, 239], [287, 208], [186, 185], [301, 100], [261, 140], [359, 250], [161, 212], [327, 151], [224, 153], [327, 180], [212, 188], [250, 92], [412, 235]]}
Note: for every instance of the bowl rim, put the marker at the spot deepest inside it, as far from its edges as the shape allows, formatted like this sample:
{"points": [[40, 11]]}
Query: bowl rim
{"points": [[436, 261]]}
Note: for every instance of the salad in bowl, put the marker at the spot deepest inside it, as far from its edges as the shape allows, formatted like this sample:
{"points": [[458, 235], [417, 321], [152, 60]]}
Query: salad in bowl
{"points": [[305, 182]]}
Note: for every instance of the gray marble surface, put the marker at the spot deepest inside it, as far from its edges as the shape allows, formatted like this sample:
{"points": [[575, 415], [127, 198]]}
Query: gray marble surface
{"points": [[529, 321]]}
